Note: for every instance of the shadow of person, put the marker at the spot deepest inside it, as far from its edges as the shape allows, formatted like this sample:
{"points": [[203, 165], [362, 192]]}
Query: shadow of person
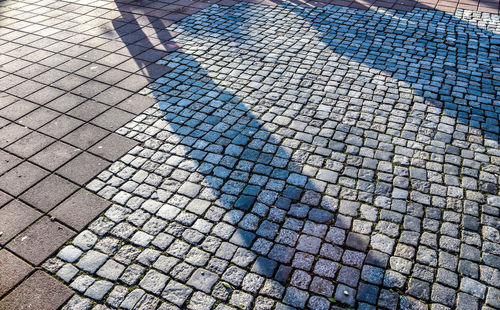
{"points": [[249, 166], [237, 145]]}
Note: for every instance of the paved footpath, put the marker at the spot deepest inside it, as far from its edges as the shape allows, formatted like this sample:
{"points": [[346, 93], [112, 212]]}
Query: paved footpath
{"points": [[251, 155]]}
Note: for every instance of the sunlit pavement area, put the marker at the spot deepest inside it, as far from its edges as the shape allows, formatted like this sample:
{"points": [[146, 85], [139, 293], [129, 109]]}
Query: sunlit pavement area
{"points": [[249, 155]]}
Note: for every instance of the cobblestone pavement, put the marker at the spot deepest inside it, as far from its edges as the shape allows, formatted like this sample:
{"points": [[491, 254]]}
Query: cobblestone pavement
{"points": [[306, 157]]}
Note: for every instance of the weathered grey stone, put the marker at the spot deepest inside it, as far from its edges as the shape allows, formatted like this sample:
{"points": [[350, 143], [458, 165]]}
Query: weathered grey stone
{"points": [[176, 293], [91, 261], [69, 253], [153, 282], [98, 289], [203, 280]]}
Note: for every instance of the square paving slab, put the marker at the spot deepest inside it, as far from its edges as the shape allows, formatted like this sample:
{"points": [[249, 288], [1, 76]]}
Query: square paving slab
{"points": [[13, 271], [40, 240], [39, 291]]}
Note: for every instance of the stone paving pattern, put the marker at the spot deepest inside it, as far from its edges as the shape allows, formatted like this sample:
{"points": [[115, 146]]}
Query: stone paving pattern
{"points": [[303, 172], [305, 157]]}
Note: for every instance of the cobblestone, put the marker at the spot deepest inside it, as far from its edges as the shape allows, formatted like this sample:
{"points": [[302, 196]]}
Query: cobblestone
{"points": [[91, 261], [70, 254]]}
